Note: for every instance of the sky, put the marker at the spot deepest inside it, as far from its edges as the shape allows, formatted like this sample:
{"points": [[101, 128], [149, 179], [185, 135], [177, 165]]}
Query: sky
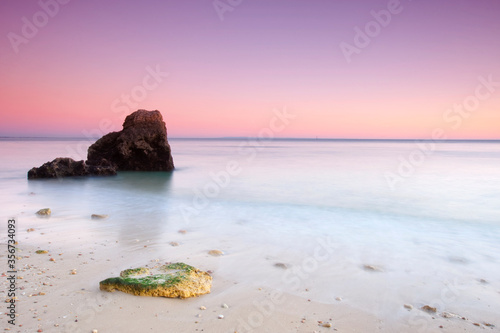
{"points": [[238, 68]]}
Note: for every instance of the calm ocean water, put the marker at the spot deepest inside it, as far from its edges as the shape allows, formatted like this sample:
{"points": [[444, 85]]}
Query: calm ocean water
{"points": [[277, 201]]}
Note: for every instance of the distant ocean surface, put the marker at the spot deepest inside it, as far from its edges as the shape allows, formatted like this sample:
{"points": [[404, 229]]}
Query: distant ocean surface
{"points": [[437, 223]]}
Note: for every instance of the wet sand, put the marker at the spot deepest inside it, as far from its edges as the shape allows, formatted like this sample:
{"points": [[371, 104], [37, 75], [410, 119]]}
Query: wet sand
{"points": [[59, 291]]}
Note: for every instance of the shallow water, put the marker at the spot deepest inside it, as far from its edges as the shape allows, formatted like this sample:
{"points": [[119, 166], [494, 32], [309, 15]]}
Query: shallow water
{"points": [[324, 208]]}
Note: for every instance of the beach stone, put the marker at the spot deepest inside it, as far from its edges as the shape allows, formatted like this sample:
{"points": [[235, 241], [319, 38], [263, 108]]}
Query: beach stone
{"points": [[408, 306], [68, 167], [448, 315], [176, 280], [44, 211], [372, 268], [216, 253], [174, 244], [41, 251], [140, 146], [429, 309], [98, 216], [281, 265]]}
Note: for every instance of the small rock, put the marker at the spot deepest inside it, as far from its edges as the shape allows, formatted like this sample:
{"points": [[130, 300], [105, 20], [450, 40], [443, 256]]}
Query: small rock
{"points": [[73, 272], [447, 315], [30, 230], [488, 325], [174, 244], [281, 265], [371, 268], [182, 231], [44, 211], [338, 298], [94, 331], [327, 325], [220, 317], [41, 251], [476, 324], [52, 259], [429, 309], [98, 216], [215, 253], [202, 308], [408, 306], [224, 306]]}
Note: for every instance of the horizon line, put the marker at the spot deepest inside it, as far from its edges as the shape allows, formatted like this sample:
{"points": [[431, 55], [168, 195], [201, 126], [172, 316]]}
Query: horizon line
{"points": [[254, 138]]}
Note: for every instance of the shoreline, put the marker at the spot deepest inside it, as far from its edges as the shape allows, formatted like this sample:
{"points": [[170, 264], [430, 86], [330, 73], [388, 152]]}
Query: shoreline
{"points": [[73, 302]]}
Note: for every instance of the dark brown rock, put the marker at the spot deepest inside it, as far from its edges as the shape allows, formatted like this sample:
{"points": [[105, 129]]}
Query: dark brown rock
{"points": [[66, 167], [140, 146]]}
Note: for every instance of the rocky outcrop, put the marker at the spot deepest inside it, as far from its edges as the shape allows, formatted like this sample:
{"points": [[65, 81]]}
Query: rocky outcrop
{"points": [[176, 280], [140, 146], [66, 167]]}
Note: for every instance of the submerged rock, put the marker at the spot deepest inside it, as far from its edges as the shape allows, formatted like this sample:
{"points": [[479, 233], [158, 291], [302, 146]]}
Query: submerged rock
{"points": [[68, 167], [44, 212], [176, 280], [140, 146]]}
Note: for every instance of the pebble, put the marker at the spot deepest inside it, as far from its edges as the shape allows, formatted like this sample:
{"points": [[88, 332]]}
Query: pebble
{"points": [[94, 331], [408, 306], [182, 231], [174, 244], [73, 272], [224, 306], [371, 268], [429, 309], [98, 216], [215, 253], [338, 298], [220, 317], [447, 315], [202, 308], [327, 325], [44, 211], [281, 265]]}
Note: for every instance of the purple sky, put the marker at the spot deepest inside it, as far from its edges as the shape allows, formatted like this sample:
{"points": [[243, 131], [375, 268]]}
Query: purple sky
{"points": [[225, 77]]}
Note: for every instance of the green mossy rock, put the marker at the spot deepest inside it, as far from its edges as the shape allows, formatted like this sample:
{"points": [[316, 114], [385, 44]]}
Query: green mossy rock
{"points": [[176, 280]]}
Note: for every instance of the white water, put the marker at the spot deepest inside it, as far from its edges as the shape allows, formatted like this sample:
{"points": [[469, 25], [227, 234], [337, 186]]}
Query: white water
{"points": [[434, 236]]}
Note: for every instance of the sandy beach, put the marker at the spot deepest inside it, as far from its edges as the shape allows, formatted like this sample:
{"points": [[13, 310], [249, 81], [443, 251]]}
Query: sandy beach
{"points": [[59, 291]]}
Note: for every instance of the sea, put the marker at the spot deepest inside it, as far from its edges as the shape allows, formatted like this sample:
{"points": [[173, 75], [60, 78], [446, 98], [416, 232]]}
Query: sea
{"points": [[372, 223]]}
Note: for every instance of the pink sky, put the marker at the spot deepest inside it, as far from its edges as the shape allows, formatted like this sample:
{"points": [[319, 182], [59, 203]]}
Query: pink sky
{"points": [[225, 77]]}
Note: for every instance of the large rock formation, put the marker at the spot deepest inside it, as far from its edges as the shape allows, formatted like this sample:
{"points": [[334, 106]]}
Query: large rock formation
{"points": [[172, 280], [141, 146], [66, 167]]}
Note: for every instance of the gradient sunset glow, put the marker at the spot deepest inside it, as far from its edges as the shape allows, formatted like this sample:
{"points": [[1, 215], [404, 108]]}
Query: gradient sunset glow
{"points": [[229, 66]]}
